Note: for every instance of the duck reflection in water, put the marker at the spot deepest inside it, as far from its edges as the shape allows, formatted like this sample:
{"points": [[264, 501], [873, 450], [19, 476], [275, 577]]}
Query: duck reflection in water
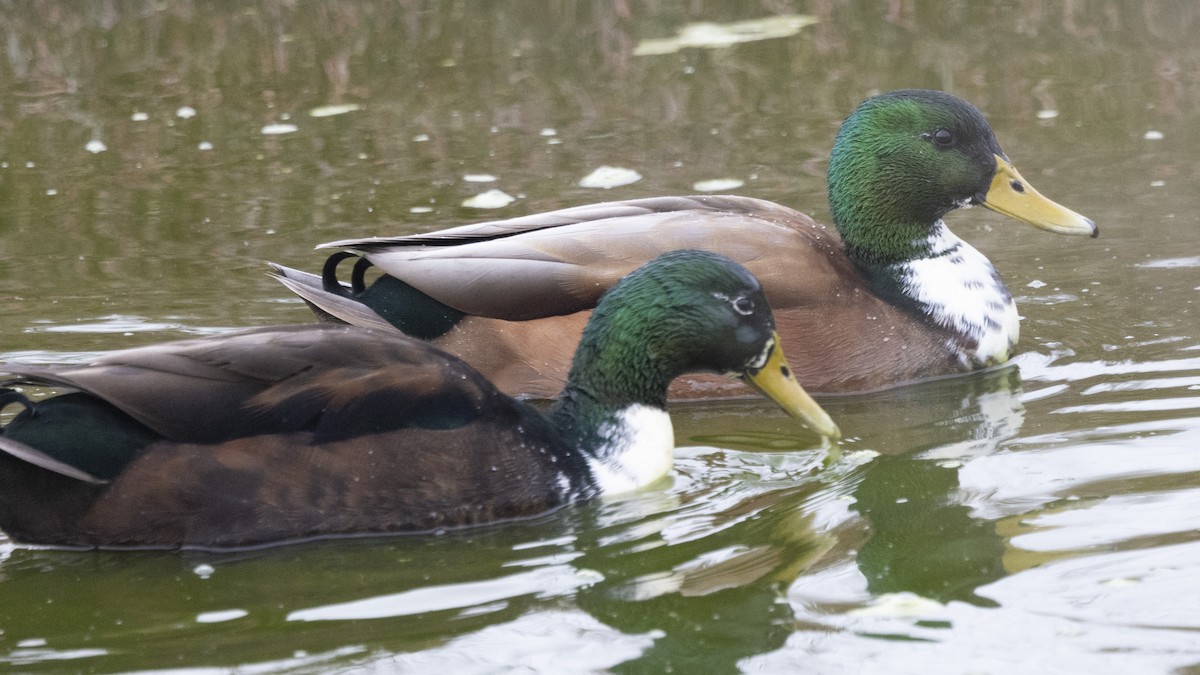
{"points": [[701, 576]]}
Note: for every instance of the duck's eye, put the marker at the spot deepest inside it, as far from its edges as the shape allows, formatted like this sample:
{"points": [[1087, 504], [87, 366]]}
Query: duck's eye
{"points": [[743, 306], [943, 138]]}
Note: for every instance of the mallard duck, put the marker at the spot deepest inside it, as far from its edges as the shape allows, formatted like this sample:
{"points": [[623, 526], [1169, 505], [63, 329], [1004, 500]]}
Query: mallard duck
{"points": [[308, 431], [892, 296]]}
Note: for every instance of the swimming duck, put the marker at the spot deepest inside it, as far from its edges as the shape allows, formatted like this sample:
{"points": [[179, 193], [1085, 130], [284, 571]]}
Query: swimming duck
{"points": [[297, 432], [892, 296]]}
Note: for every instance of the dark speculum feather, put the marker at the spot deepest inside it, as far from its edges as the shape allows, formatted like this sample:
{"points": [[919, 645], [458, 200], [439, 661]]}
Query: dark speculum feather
{"points": [[81, 430]]}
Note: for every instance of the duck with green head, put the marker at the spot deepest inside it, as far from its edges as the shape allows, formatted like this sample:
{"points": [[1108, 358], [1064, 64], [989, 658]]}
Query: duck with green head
{"points": [[890, 297], [297, 432]]}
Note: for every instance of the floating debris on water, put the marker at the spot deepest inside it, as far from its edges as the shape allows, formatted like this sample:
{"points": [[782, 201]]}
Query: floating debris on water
{"points": [[420, 138], [548, 132], [139, 117], [185, 112], [204, 145], [717, 185], [203, 570], [421, 209], [1157, 183], [492, 199], [1153, 135], [1036, 283], [332, 110], [51, 192], [278, 129], [95, 146], [607, 177], [1047, 114], [718, 35], [480, 178]]}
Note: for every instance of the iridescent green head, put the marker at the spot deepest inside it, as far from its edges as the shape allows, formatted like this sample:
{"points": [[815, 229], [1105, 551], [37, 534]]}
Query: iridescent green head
{"points": [[686, 311], [904, 159]]}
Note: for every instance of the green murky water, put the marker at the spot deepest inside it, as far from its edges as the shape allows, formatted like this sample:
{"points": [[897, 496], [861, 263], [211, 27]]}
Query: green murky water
{"points": [[1039, 518]]}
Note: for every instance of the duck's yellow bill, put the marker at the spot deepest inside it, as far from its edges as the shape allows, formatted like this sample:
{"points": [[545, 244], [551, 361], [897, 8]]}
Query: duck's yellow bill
{"points": [[775, 381], [1013, 196]]}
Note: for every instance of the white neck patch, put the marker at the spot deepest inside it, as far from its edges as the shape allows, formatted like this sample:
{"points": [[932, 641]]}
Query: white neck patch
{"points": [[639, 448], [961, 291]]}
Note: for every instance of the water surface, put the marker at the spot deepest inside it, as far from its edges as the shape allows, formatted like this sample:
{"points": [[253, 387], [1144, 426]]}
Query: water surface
{"points": [[1038, 517]]}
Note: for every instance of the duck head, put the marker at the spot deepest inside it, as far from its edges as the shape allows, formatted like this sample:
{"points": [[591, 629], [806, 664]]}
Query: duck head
{"points": [[904, 159], [687, 311]]}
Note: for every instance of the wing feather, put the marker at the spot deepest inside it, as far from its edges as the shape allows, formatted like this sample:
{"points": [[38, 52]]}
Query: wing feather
{"points": [[341, 381], [561, 262]]}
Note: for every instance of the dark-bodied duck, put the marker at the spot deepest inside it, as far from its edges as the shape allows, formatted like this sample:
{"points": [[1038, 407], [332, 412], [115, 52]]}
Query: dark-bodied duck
{"points": [[890, 297], [307, 431]]}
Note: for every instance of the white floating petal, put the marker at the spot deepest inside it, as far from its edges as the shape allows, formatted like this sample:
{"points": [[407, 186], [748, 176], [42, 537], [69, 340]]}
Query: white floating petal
{"points": [[277, 129], [185, 112], [717, 185], [492, 199], [204, 145], [607, 177], [1153, 135], [718, 35], [331, 110], [1047, 114], [479, 178], [95, 146], [219, 616], [139, 117]]}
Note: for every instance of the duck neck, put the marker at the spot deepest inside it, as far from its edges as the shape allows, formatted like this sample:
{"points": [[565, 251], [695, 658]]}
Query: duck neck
{"points": [[878, 236], [613, 407], [885, 228], [954, 287]]}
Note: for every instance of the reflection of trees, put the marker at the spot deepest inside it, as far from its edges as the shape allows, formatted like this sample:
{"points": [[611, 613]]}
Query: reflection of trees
{"points": [[442, 66], [480, 80]]}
